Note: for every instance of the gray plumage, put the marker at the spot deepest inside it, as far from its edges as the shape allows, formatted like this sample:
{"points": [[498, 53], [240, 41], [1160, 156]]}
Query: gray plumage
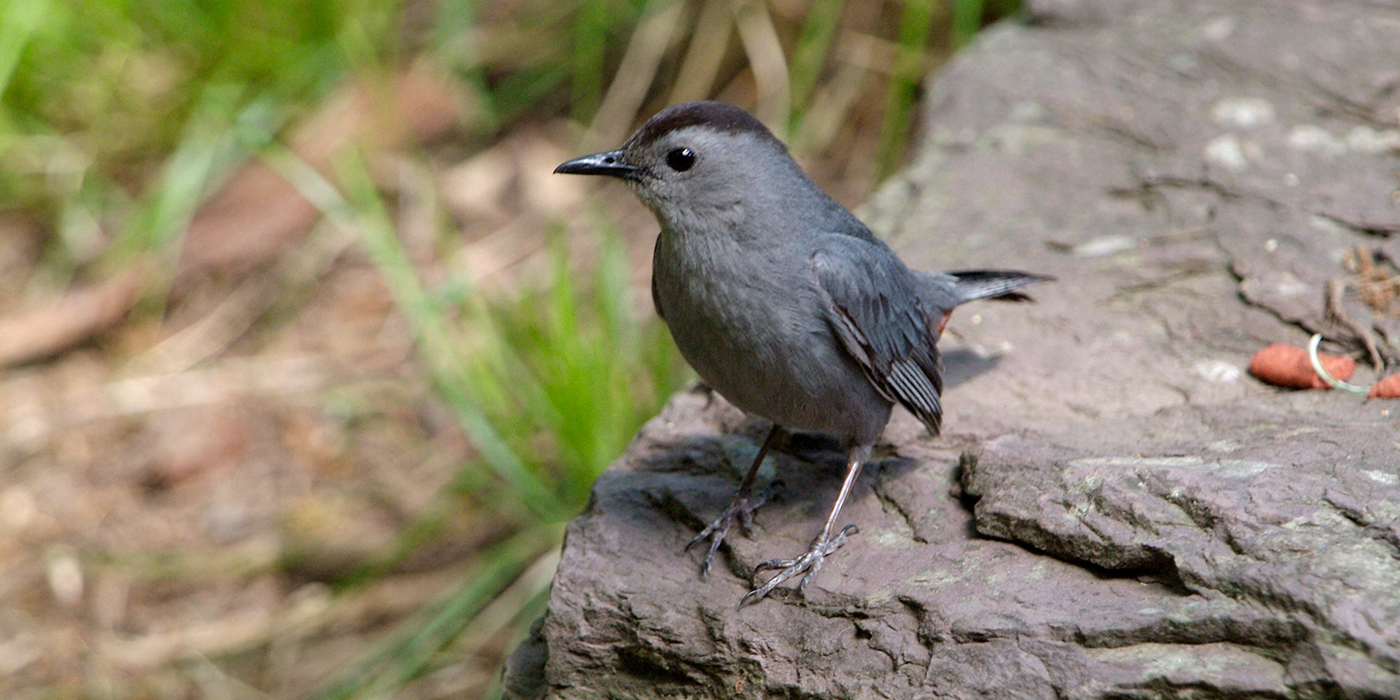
{"points": [[781, 300]]}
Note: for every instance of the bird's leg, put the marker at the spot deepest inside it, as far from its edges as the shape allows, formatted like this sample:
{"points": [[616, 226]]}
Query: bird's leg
{"points": [[824, 544], [740, 509]]}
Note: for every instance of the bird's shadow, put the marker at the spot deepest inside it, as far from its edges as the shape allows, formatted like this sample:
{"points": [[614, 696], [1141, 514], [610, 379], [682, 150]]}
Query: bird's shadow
{"points": [[961, 365]]}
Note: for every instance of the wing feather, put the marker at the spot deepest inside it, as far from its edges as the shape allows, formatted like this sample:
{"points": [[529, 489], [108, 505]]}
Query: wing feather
{"points": [[874, 309]]}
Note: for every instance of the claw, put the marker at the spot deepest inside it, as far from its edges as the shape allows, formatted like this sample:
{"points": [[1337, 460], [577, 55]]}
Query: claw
{"points": [[740, 510], [810, 562]]}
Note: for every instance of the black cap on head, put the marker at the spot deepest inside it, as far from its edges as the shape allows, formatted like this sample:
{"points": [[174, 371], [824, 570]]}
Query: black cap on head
{"points": [[716, 115]]}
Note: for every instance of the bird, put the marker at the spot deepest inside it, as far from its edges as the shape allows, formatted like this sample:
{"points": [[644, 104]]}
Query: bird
{"points": [[782, 301]]}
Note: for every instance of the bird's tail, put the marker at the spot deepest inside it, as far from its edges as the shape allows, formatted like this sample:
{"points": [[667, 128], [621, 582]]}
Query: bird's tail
{"points": [[1003, 285], [944, 291]]}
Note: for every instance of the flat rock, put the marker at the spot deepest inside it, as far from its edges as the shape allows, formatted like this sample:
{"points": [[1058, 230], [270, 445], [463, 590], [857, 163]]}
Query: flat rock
{"points": [[1115, 509]]}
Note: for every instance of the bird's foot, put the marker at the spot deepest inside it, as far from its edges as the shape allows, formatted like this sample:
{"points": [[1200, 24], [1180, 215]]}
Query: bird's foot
{"points": [[740, 511], [809, 562]]}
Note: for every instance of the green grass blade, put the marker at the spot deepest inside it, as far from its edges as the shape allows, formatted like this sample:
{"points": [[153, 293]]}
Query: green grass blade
{"points": [[614, 283], [407, 652], [967, 21], [809, 57], [521, 91], [363, 212], [589, 57], [904, 84], [437, 343], [531, 611], [455, 31], [17, 26], [209, 149]]}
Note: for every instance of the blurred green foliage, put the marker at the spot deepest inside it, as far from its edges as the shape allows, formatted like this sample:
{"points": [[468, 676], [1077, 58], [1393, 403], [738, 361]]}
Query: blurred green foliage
{"points": [[122, 78], [549, 384]]}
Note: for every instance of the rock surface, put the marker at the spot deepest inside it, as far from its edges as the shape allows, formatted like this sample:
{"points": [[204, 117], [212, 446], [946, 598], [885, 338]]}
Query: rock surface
{"points": [[1114, 510]]}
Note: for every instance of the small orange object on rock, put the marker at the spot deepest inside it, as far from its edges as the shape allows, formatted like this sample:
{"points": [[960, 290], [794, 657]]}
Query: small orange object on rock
{"points": [[1288, 366], [1388, 388]]}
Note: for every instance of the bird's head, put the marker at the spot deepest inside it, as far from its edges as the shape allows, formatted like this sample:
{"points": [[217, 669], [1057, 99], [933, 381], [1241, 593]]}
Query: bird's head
{"points": [[695, 159]]}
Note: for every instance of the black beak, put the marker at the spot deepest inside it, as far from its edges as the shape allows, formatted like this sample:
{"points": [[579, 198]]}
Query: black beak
{"points": [[609, 163]]}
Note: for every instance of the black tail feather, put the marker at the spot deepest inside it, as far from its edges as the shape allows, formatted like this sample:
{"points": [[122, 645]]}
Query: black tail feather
{"points": [[1002, 285]]}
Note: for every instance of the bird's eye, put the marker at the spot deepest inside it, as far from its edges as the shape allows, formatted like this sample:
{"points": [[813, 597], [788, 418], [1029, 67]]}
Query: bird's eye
{"points": [[681, 159]]}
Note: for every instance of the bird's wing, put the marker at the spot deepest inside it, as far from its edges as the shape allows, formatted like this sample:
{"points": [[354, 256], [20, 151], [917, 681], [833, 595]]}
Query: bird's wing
{"points": [[873, 307]]}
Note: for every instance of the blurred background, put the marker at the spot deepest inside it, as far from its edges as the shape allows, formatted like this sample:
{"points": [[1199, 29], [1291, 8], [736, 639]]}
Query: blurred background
{"points": [[305, 356]]}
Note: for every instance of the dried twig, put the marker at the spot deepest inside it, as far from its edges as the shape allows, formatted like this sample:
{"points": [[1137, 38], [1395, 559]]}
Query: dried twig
{"points": [[1375, 285], [1336, 312], [770, 71], [50, 329], [705, 53], [634, 77]]}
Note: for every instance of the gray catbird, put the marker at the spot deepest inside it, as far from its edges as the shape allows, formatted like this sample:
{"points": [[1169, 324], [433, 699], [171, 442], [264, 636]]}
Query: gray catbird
{"points": [[782, 300]]}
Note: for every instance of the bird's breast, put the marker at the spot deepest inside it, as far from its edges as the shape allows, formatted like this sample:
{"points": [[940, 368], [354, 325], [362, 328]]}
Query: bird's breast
{"points": [[752, 325]]}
